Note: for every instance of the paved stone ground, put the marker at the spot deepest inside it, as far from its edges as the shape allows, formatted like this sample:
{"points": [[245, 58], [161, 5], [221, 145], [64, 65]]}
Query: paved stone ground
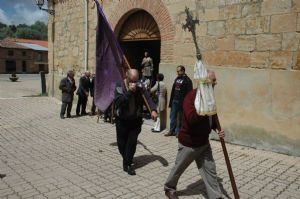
{"points": [[47, 157]]}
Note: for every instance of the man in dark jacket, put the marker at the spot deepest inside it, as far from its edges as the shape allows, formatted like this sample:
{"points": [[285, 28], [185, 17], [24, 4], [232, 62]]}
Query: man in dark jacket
{"points": [[67, 87], [129, 110], [181, 86], [194, 146], [83, 93]]}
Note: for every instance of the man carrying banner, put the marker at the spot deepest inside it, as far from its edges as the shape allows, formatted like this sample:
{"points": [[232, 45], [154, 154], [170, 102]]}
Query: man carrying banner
{"points": [[129, 99], [194, 146]]}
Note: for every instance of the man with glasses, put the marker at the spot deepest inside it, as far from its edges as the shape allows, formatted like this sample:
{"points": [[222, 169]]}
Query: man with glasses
{"points": [[129, 99], [181, 86]]}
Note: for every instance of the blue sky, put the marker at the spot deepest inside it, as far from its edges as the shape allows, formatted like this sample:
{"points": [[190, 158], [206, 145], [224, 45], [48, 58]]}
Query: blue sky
{"points": [[21, 11]]}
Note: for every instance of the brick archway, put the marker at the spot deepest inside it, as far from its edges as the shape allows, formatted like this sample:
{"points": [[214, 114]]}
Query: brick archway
{"points": [[160, 15]]}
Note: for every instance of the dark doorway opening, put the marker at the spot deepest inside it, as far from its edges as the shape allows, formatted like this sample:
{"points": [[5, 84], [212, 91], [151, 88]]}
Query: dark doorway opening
{"points": [[41, 67], [24, 67], [10, 66], [134, 52]]}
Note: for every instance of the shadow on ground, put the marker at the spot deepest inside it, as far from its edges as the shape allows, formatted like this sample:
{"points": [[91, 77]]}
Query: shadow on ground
{"points": [[143, 160], [198, 188]]}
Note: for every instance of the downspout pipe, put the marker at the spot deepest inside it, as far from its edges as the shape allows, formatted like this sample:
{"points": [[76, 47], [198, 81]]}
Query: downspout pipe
{"points": [[52, 41], [85, 35]]}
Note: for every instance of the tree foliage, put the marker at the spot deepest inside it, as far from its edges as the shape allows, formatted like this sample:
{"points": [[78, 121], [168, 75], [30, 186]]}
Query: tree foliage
{"points": [[38, 30]]}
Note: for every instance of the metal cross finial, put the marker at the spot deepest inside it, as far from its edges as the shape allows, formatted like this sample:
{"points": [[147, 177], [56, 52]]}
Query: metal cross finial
{"points": [[190, 22], [191, 26]]}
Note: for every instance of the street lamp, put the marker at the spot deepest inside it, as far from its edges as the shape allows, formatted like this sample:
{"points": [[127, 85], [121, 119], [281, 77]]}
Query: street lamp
{"points": [[40, 4]]}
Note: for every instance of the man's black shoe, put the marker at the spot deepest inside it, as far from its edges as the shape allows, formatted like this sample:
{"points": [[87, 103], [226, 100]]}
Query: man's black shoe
{"points": [[84, 113], [68, 116], [77, 114], [171, 194], [62, 117], [154, 131], [131, 171], [2, 175]]}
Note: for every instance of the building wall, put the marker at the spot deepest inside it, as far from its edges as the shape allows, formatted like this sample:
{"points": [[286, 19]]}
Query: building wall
{"points": [[30, 58], [252, 45]]}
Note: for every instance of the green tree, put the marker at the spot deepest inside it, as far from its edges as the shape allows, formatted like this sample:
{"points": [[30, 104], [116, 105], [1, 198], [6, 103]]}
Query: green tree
{"points": [[2, 25], [42, 28], [13, 28], [39, 31], [6, 32], [28, 33]]}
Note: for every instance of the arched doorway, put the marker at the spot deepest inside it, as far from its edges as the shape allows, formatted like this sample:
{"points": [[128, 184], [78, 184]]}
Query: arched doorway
{"points": [[139, 33]]}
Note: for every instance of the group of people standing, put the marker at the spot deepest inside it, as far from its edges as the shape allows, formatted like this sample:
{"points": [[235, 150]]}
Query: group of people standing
{"points": [[131, 96], [68, 87]]}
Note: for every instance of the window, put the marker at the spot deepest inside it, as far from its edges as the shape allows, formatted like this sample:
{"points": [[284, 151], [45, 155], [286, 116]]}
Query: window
{"points": [[10, 53], [24, 53], [39, 57]]}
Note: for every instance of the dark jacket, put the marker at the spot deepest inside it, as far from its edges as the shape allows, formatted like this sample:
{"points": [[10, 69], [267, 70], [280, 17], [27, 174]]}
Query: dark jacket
{"points": [[129, 105], [67, 88], [92, 89], [187, 85], [195, 129], [84, 86]]}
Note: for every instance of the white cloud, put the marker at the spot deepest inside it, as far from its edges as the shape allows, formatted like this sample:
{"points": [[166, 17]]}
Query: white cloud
{"points": [[24, 15], [4, 18]]}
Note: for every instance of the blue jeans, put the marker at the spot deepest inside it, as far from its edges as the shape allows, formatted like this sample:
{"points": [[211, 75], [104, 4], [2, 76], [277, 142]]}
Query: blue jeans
{"points": [[175, 117]]}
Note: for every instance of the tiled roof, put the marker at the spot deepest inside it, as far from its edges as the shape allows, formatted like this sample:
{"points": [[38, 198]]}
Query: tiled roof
{"points": [[24, 44], [29, 41], [34, 46], [10, 44]]}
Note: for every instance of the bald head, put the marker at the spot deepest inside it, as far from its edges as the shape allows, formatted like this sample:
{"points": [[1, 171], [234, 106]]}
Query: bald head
{"points": [[133, 75], [212, 77]]}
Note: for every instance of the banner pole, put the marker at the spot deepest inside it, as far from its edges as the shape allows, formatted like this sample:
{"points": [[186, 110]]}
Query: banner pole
{"points": [[229, 168]]}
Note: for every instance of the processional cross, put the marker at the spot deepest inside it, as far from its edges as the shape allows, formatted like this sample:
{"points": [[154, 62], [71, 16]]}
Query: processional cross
{"points": [[191, 26]]}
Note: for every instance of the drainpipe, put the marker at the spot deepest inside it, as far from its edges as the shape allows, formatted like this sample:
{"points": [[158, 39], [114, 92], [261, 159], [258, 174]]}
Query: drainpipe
{"points": [[52, 41], [86, 35]]}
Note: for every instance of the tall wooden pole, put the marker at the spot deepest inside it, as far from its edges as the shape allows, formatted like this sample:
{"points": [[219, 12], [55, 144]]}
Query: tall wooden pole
{"points": [[231, 176]]}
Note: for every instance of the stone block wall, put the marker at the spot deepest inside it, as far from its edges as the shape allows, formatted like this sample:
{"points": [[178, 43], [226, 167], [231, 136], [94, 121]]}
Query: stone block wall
{"points": [[243, 33]]}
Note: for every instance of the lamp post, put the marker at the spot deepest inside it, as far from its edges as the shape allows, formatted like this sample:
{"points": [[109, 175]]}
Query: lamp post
{"points": [[40, 4]]}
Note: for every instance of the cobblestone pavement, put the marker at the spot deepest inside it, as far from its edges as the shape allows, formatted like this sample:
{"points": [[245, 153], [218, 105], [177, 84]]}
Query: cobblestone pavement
{"points": [[47, 157], [27, 85]]}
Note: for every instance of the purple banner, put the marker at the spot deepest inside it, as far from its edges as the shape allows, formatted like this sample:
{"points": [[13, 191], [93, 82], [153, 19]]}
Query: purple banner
{"points": [[109, 59]]}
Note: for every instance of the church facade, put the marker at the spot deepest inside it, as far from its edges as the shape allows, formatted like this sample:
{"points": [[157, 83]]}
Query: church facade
{"points": [[252, 45]]}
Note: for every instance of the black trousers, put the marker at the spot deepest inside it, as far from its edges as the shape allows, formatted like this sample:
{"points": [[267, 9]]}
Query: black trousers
{"points": [[64, 106], [127, 135], [82, 101]]}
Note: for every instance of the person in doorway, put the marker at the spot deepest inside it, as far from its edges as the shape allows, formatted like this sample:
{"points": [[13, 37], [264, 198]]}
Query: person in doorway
{"points": [[129, 100], [194, 146], [83, 93], [147, 66], [181, 86], [159, 89], [67, 87]]}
